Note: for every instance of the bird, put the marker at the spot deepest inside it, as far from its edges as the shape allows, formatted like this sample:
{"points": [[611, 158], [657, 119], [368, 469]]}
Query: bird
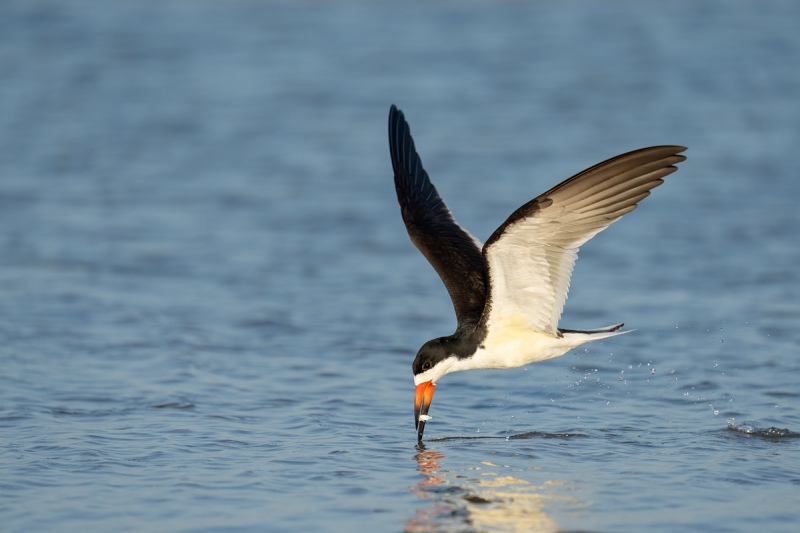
{"points": [[508, 294]]}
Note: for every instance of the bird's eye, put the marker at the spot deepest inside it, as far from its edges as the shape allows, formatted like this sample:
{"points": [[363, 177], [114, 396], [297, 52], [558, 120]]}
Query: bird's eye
{"points": [[426, 365]]}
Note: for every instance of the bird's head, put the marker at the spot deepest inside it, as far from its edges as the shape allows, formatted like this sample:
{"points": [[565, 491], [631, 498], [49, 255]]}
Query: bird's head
{"points": [[432, 362]]}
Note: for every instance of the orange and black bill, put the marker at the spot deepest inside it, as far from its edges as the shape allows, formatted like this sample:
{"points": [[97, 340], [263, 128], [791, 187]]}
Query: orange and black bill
{"points": [[422, 402]]}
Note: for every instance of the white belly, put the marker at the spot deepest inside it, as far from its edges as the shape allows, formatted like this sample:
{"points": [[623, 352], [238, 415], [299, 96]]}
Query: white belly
{"points": [[513, 348], [512, 344]]}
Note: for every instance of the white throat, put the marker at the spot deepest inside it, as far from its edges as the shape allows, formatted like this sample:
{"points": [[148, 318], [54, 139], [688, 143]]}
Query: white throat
{"points": [[445, 366]]}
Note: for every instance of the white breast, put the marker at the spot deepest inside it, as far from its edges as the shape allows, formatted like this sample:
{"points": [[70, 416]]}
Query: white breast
{"points": [[511, 343]]}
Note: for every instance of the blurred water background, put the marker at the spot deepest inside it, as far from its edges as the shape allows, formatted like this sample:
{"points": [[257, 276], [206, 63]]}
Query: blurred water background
{"points": [[209, 305]]}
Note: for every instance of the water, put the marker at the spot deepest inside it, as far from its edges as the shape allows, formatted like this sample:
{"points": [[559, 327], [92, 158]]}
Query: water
{"points": [[210, 306]]}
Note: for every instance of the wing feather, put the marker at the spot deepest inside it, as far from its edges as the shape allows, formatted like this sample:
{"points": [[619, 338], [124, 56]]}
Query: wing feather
{"points": [[453, 253], [530, 257]]}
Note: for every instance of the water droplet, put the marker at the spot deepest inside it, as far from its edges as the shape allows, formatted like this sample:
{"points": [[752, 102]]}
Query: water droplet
{"points": [[653, 371]]}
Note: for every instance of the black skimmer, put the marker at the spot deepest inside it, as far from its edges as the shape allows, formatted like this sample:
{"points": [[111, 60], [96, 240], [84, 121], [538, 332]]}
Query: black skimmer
{"points": [[508, 294]]}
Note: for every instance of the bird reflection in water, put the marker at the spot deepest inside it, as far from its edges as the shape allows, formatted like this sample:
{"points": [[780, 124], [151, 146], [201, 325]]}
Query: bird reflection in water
{"points": [[480, 499]]}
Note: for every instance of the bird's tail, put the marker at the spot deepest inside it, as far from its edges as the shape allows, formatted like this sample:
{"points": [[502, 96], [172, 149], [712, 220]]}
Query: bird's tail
{"points": [[594, 334]]}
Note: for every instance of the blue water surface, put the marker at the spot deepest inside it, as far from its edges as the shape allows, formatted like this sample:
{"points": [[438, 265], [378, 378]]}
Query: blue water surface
{"points": [[209, 305]]}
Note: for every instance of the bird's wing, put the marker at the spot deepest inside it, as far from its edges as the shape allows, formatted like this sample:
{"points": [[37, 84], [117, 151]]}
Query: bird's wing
{"points": [[530, 256], [453, 252]]}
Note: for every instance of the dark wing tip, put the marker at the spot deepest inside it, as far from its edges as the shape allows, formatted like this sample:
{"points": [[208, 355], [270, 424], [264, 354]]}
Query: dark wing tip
{"points": [[405, 160], [397, 122], [395, 117], [671, 151]]}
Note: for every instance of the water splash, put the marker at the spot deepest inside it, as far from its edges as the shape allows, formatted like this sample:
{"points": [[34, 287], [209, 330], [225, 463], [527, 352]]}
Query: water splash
{"points": [[768, 433]]}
